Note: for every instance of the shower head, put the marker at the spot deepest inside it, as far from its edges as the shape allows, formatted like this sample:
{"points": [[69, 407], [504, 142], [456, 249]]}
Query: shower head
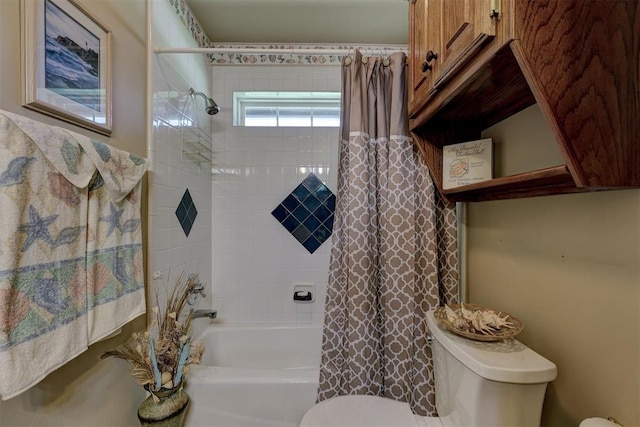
{"points": [[211, 106]]}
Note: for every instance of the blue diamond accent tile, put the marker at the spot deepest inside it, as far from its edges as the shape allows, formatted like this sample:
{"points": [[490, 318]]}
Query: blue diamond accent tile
{"points": [[291, 203], [312, 182], [301, 192], [312, 203], [301, 233], [301, 213], [322, 213], [322, 233], [307, 213], [329, 223], [322, 193], [186, 212], [280, 213], [331, 203], [311, 223], [181, 212], [311, 244], [290, 223]]}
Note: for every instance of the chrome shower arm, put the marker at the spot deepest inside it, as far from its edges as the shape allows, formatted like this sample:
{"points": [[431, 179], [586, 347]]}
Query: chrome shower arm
{"points": [[211, 106]]}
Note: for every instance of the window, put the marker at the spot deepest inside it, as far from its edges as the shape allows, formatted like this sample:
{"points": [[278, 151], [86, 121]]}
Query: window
{"points": [[286, 109]]}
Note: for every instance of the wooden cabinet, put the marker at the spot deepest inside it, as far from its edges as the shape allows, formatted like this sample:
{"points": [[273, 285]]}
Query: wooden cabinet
{"points": [[424, 36], [444, 36], [579, 61], [467, 26]]}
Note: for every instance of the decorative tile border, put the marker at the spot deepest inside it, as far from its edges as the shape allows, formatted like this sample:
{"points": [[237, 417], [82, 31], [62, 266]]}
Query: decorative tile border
{"points": [[269, 58], [189, 20]]}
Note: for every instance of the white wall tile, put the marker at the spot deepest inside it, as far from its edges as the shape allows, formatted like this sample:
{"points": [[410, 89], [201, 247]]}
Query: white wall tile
{"points": [[171, 251], [255, 261]]}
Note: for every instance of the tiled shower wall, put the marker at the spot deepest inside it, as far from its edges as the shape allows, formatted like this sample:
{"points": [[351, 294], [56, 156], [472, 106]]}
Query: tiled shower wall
{"points": [[176, 118], [256, 261]]}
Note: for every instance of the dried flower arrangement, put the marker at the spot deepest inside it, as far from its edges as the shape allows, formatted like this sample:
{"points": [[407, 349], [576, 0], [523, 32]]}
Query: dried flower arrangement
{"points": [[160, 357]]}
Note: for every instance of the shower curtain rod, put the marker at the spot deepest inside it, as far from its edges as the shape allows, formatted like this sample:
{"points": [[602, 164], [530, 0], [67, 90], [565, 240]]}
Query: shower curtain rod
{"points": [[276, 51]]}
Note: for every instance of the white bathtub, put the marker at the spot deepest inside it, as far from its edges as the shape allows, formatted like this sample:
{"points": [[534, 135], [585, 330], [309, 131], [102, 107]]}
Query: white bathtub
{"points": [[254, 375]]}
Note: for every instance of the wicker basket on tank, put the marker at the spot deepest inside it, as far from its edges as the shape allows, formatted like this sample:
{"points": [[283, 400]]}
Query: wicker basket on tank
{"points": [[502, 333]]}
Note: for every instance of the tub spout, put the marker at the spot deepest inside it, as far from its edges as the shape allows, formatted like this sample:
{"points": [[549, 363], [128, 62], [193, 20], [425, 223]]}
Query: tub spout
{"points": [[211, 314]]}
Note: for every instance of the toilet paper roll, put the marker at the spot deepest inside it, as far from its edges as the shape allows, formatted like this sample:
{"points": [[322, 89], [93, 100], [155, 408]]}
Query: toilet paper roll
{"points": [[598, 422]]}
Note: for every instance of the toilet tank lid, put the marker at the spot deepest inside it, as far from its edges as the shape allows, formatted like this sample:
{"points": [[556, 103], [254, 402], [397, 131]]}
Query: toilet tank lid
{"points": [[507, 361]]}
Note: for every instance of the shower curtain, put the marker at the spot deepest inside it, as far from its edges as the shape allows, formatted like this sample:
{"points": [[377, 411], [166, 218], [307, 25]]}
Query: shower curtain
{"points": [[394, 254]]}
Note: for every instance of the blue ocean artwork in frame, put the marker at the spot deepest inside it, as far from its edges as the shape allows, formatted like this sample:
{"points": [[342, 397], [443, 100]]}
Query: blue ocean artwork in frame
{"points": [[67, 66], [71, 58]]}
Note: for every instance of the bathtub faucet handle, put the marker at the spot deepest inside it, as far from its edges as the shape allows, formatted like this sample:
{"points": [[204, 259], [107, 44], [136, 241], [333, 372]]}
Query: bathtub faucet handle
{"points": [[193, 297], [199, 290]]}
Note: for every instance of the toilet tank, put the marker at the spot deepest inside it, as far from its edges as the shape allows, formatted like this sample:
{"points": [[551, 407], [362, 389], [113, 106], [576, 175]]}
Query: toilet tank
{"points": [[497, 384]]}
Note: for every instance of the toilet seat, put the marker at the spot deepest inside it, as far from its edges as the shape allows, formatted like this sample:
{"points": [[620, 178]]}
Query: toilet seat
{"points": [[369, 411]]}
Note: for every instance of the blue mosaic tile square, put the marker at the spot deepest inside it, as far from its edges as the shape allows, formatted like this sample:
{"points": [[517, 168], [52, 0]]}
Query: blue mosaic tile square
{"points": [[322, 233], [301, 233], [312, 203], [329, 223], [311, 223], [301, 192], [291, 203], [312, 182], [307, 213], [301, 213], [311, 244], [186, 212], [290, 223], [331, 203], [280, 213], [322, 213], [322, 193]]}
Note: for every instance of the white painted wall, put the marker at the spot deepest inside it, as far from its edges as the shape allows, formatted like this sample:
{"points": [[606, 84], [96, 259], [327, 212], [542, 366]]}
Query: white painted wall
{"points": [[567, 266], [86, 391], [255, 260]]}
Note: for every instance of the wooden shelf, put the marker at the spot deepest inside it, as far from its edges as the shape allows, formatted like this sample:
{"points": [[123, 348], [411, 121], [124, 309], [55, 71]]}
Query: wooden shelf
{"points": [[542, 182]]}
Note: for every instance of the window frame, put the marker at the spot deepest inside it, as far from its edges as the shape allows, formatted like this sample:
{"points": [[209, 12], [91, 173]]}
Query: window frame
{"points": [[245, 100]]}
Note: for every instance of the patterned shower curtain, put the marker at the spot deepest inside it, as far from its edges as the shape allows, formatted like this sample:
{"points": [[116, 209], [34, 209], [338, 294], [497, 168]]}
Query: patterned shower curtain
{"points": [[394, 254]]}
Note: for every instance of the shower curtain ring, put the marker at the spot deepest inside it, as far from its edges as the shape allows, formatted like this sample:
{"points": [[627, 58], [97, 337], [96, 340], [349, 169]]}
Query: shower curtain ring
{"points": [[347, 59]]}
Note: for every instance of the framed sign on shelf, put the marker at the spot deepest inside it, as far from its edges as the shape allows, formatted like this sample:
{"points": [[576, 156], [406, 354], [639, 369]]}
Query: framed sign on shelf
{"points": [[66, 63], [467, 163]]}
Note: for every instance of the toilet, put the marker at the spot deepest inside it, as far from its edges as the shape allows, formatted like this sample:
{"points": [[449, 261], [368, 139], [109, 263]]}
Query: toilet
{"points": [[499, 384]]}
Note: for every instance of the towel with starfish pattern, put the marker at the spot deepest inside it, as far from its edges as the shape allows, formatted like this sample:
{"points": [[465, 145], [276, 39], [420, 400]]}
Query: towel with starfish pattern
{"points": [[71, 269], [44, 178], [115, 270]]}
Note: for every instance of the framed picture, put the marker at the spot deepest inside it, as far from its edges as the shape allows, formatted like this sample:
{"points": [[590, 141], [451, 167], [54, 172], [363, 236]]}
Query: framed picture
{"points": [[66, 63], [467, 163]]}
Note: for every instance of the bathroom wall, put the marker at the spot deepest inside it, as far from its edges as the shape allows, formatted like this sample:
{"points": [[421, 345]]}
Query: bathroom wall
{"points": [[568, 266], [86, 391], [256, 261], [177, 120]]}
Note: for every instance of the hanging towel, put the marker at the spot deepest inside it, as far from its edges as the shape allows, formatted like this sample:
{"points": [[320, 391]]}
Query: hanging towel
{"points": [[115, 269], [44, 177]]}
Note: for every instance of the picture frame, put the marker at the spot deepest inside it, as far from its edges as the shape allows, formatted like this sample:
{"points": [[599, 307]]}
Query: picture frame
{"points": [[467, 163], [66, 64]]}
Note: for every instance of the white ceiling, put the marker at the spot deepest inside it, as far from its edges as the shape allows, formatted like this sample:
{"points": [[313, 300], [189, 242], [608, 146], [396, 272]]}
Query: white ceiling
{"points": [[304, 21]]}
